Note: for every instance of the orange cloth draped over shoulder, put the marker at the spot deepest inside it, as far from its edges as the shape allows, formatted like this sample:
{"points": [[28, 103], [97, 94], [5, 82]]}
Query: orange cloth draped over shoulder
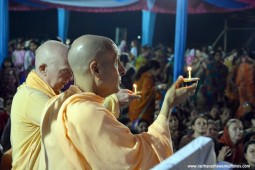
{"points": [[79, 133], [34, 81]]}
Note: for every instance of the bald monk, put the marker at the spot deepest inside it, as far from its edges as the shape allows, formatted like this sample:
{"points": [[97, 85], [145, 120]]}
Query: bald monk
{"points": [[79, 133], [50, 75], [52, 72]]}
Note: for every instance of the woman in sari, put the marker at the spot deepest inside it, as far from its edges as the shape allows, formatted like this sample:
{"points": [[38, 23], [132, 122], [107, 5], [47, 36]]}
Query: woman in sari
{"points": [[144, 108], [245, 81]]}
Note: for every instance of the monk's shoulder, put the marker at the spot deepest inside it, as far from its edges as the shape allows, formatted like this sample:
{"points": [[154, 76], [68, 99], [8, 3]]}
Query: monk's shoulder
{"points": [[84, 108]]}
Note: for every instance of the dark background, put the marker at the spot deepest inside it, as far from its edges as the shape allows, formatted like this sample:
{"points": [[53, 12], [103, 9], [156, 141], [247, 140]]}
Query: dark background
{"points": [[203, 29]]}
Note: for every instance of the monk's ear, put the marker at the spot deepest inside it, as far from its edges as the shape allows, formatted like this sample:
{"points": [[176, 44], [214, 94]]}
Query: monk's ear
{"points": [[94, 68], [43, 69]]}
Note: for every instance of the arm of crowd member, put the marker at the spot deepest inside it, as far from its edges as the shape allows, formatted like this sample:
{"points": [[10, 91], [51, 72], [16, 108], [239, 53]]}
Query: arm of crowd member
{"points": [[176, 95], [224, 152], [120, 99]]}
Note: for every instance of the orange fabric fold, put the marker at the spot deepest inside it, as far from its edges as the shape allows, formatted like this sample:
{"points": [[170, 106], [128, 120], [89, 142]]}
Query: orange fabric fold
{"points": [[82, 134]]}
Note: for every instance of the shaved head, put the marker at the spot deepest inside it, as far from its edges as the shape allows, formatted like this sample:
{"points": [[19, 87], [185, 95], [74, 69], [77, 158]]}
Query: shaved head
{"points": [[50, 52], [87, 48], [51, 64], [93, 59]]}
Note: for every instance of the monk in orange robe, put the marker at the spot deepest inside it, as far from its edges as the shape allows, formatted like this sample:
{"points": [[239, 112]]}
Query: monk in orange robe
{"points": [[79, 133]]}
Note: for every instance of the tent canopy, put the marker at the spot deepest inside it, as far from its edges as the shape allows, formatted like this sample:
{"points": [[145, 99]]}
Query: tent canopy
{"points": [[157, 6]]}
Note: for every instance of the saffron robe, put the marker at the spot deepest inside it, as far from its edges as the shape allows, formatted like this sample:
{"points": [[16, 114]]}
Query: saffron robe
{"points": [[79, 133]]}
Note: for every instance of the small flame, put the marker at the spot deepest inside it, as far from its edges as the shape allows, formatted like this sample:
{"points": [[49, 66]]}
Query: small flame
{"points": [[135, 88]]}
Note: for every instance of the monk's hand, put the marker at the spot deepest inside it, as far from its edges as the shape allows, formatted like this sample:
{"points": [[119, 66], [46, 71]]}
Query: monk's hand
{"points": [[125, 96], [178, 94]]}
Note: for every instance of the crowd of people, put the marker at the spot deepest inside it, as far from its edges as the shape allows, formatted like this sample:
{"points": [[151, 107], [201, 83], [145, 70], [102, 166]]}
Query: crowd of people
{"points": [[222, 106]]}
